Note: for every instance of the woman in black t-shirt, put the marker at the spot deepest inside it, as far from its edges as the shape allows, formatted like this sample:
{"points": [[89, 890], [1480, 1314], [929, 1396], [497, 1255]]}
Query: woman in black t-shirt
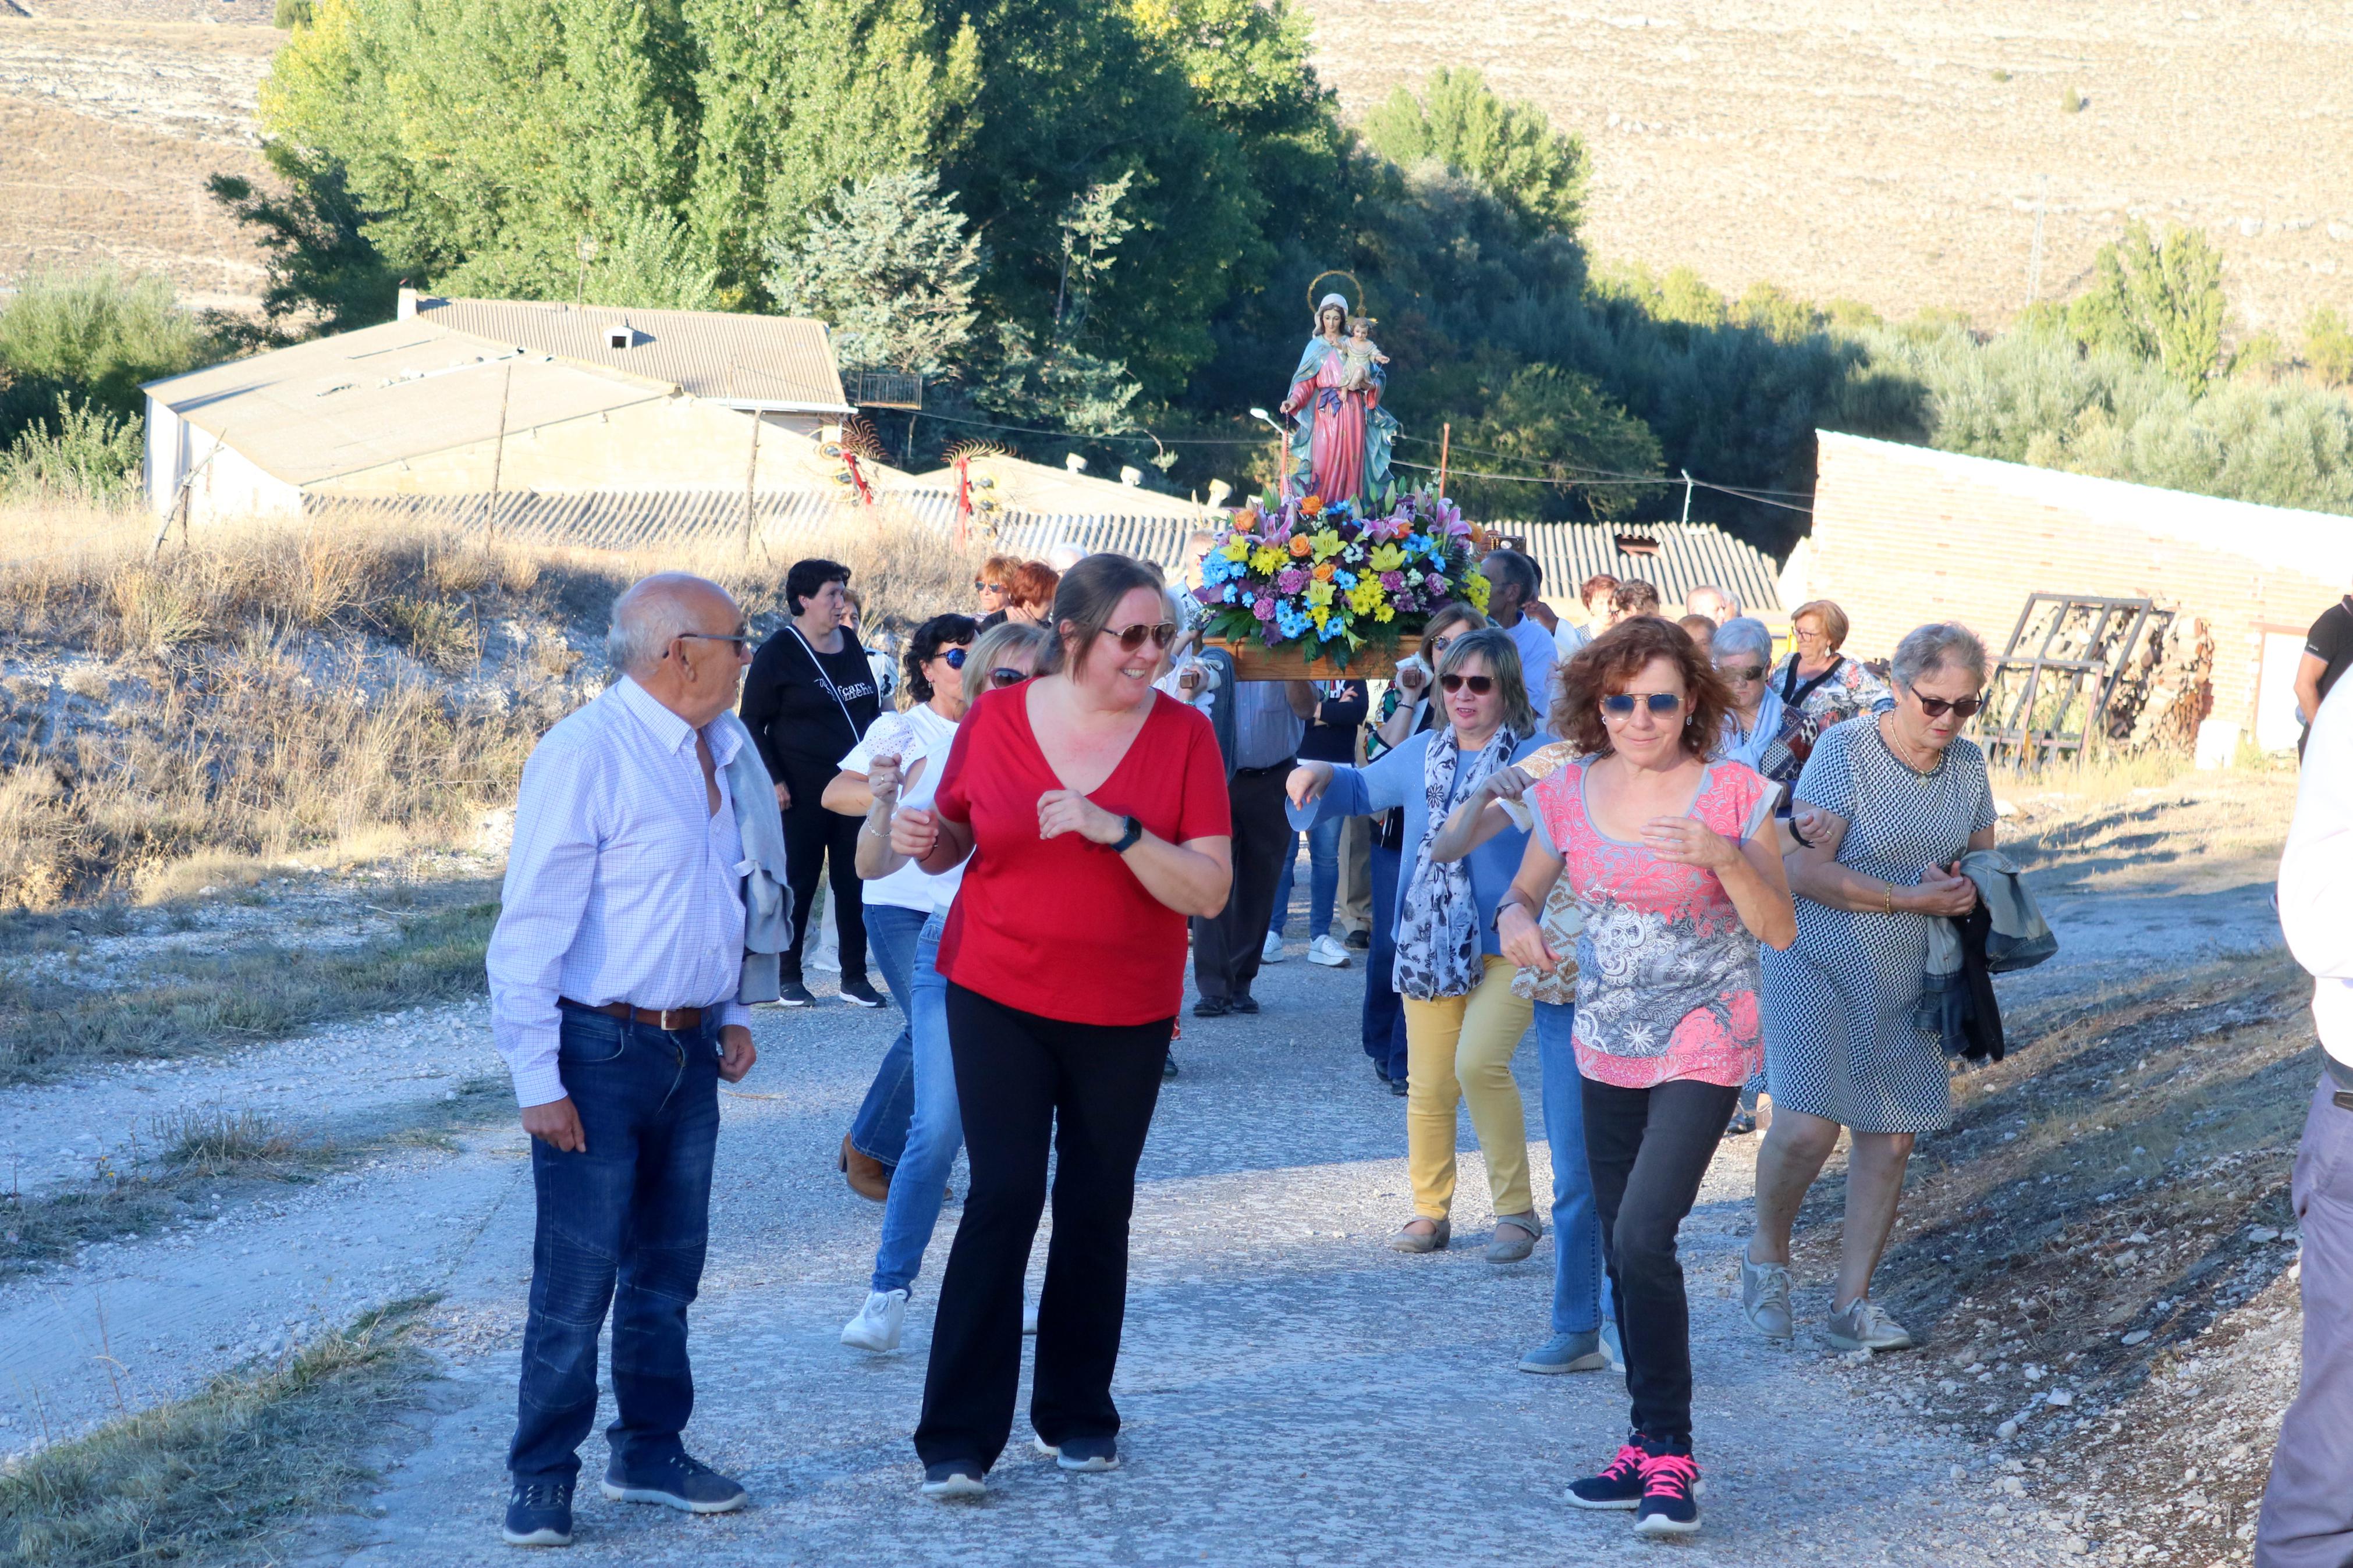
{"points": [[808, 698]]}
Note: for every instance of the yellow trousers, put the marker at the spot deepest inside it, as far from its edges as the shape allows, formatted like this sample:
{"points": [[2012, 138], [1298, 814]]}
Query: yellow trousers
{"points": [[1458, 1048]]}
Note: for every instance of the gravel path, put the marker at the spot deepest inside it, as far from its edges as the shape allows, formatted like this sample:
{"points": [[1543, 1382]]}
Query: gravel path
{"points": [[1294, 1392]]}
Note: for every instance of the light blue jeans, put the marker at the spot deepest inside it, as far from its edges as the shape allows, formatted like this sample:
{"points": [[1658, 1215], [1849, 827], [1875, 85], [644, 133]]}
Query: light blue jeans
{"points": [[1579, 1286], [937, 1132], [1323, 879]]}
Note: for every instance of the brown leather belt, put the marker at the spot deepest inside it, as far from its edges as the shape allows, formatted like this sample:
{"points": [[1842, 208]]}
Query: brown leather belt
{"points": [[659, 1017]]}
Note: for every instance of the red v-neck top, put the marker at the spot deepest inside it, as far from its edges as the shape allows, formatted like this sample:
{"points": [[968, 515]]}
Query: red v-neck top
{"points": [[1060, 927]]}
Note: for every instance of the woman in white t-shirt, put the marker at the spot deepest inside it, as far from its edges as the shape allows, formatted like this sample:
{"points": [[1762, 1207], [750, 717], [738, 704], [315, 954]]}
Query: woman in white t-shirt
{"points": [[898, 763]]}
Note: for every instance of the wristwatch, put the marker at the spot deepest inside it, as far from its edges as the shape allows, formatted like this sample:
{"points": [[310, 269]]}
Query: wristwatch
{"points": [[1126, 841]]}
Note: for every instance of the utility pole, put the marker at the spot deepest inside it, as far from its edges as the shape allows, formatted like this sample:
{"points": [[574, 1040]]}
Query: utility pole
{"points": [[2035, 261], [1445, 444], [751, 480], [499, 448], [1687, 490]]}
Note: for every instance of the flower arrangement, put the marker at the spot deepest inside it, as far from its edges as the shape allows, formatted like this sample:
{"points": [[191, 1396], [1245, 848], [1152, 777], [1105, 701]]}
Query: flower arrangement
{"points": [[1327, 582]]}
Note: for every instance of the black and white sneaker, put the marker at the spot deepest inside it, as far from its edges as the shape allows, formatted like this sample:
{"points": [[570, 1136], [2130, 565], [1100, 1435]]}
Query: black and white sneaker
{"points": [[953, 1479], [539, 1513], [1619, 1484], [674, 1480], [860, 994], [793, 993], [1088, 1455]]}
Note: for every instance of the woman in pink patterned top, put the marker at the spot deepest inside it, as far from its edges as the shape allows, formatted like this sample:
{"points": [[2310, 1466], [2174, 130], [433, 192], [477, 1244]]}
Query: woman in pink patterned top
{"points": [[1678, 875]]}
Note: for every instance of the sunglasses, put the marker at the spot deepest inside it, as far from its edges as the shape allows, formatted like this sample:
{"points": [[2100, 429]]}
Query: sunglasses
{"points": [[1935, 707], [1480, 685], [741, 639], [1001, 678], [955, 656], [1132, 637], [1622, 704], [1741, 672], [980, 587]]}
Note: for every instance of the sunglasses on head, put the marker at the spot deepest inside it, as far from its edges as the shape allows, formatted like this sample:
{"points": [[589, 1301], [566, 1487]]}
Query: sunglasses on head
{"points": [[1132, 637], [955, 656], [1742, 671], [1480, 685], [1934, 707], [1000, 678], [1620, 705]]}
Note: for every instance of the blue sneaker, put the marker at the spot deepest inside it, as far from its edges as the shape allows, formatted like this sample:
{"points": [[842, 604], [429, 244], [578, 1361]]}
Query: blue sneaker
{"points": [[953, 1479], [1612, 1349], [1090, 1455], [1567, 1352], [539, 1513], [675, 1482]]}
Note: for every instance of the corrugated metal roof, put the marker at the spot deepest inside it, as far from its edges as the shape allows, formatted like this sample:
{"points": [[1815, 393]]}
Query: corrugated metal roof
{"points": [[782, 362], [1689, 555], [1019, 485], [359, 400]]}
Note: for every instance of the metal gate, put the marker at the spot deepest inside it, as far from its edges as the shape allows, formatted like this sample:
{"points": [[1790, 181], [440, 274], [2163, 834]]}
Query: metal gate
{"points": [[2050, 690]]}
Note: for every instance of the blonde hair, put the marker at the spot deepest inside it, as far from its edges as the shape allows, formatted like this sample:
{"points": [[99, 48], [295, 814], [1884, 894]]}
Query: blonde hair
{"points": [[1835, 625], [1502, 656]]}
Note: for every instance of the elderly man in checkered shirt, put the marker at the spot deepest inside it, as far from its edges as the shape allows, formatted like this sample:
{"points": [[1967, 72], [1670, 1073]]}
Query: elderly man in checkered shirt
{"points": [[644, 907]]}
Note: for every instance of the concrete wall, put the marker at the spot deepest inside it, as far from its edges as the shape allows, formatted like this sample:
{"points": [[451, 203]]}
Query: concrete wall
{"points": [[1903, 535], [670, 444], [227, 485]]}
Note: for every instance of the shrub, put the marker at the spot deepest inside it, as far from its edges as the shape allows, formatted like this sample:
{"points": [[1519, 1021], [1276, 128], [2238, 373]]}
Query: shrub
{"points": [[2329, 347], [97, 335], [92, 456]]}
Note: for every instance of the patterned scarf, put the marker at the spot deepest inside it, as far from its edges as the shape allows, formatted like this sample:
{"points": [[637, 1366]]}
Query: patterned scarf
{"points": [[1437, 930]]}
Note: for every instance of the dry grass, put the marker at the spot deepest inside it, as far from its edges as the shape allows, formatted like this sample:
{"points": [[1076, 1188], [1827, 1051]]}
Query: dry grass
{"points": [[193, 1480], [325, 690], [214, 1141]]}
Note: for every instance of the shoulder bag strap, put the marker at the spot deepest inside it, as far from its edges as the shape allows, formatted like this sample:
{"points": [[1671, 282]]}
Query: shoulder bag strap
{"points": [[827, 681]]}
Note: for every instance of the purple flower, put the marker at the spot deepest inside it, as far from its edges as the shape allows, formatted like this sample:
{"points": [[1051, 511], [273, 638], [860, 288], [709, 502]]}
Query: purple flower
{"points": [[1290, 580], [1209, 592], [1393, 581], [1263, 609]]}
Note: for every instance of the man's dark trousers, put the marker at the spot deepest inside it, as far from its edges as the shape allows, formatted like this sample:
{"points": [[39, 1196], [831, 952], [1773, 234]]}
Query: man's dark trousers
{"points": [[1226, 946], [623, 1224]]}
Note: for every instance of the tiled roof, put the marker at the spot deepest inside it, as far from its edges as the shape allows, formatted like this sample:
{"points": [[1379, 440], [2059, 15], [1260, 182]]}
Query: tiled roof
{"points": [[778, 362], [360, 400]]}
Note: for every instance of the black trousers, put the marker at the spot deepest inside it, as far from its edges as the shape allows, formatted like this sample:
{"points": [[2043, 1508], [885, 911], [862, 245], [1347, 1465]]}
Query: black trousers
{"points": [[1021, 1079], [1226, 945], [815, 839], [1648, 1149]]}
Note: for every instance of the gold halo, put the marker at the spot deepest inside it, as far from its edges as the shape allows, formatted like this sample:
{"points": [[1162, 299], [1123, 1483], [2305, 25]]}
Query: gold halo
{"points": [[1356, 309]]}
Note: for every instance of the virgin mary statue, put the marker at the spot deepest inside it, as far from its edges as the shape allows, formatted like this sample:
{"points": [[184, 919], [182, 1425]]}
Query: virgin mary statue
{"points": [[1340, 441]]}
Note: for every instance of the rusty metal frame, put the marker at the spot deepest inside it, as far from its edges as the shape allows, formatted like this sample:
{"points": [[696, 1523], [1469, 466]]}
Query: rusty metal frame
{"points": [[2014, 734]]}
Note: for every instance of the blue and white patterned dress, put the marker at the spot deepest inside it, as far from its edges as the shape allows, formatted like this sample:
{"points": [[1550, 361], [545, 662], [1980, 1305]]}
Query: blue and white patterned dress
{"points": [[1838, 1040]]}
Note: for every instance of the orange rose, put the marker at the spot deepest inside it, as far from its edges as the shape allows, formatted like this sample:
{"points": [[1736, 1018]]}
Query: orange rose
{"points": [[1313, 506], [1324, 572], [1300, 545]]}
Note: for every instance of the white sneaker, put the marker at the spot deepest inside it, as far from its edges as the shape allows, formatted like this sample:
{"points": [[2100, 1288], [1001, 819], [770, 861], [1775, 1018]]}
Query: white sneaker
{"points": [[827, 959], [1327, 953], [1028, 1317], [1271, 950], [1862, 1325], [877, 1325]]}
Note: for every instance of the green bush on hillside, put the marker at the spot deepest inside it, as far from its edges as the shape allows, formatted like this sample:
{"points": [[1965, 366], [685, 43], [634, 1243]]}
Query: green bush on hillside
{"points": [[91, 456]]}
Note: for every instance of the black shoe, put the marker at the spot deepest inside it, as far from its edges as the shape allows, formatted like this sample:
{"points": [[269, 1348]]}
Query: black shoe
{"points": [[675, 1482], [1620, 1482], [1090, 1455], [1168, 1065], [954, 1479], [1670, 1490], [1359, 940], [1211, 1008], [1398, 1087], [1742, 1121], [1245, 1003], [1380, 1072], [859, 993], [539, 1513], [793, 993]]}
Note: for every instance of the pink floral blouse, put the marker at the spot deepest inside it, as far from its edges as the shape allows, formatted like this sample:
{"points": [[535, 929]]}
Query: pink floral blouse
{"points": [[1666, 974]]}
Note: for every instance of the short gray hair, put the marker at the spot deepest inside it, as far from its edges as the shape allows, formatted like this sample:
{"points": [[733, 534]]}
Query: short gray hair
{"points": [[1744, 633], [1927, 649], [649, 613]]}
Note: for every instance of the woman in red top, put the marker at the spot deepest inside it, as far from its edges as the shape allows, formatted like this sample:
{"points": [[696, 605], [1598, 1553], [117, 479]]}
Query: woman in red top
{"points": [[1093, 811]]}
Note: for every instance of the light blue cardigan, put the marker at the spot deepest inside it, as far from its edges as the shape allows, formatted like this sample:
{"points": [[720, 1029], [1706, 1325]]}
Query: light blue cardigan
{"points": [[1396, 780], [768, 898]]}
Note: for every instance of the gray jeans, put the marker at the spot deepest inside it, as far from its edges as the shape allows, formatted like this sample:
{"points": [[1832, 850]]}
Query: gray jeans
{"points": [[2307, 1517]]}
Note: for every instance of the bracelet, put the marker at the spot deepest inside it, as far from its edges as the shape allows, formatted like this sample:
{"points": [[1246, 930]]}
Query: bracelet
{"points": [[1887, 897]]}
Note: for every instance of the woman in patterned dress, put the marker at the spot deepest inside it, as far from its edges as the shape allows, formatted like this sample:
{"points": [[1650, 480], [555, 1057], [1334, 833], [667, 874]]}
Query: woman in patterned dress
{"points": [[1818, 687], [1678, 876], [1905, 798]]}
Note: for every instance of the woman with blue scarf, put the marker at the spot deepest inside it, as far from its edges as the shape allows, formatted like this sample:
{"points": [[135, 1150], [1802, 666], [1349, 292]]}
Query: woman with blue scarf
{"points": [[1744, 657]]}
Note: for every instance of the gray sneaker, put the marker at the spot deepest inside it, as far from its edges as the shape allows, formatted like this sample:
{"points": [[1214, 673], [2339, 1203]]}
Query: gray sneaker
{"points": [[1567, 1352], [1863, 1326], [1765, 1299]]}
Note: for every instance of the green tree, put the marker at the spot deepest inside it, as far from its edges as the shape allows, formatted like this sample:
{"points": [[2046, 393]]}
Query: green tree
{"points": [[90, 456], [96, 336], [1062, 383], [1508, 146], [2329, 347], [320, 264], [891, 269], [1558, 424], [2157, 299]]}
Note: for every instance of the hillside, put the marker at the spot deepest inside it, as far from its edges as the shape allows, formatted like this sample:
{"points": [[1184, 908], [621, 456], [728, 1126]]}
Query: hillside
{"points": [[1892, 151]]}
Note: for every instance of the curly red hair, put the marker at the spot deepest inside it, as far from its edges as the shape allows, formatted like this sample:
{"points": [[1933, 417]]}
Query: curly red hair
{"points": [[1609, 663]]}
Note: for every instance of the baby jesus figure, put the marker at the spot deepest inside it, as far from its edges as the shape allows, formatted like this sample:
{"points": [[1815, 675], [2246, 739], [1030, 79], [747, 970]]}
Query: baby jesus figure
{"points": [[1358, 355]]}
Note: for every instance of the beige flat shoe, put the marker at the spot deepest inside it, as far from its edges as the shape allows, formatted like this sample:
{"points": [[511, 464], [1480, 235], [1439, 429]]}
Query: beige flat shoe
{"points": [[1412, 1241], [1515, 1236]]}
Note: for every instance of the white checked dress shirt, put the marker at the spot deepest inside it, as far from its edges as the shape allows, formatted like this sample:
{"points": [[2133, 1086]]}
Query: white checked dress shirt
{"points": [[622, 886]]}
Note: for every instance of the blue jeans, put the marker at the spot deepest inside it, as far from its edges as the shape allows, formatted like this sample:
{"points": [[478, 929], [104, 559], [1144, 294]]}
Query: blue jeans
{"points": [[1384, 1015], [1323, 879], [1578, 1285], [937, 1131], [622, 1224], [881, 1128]]}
